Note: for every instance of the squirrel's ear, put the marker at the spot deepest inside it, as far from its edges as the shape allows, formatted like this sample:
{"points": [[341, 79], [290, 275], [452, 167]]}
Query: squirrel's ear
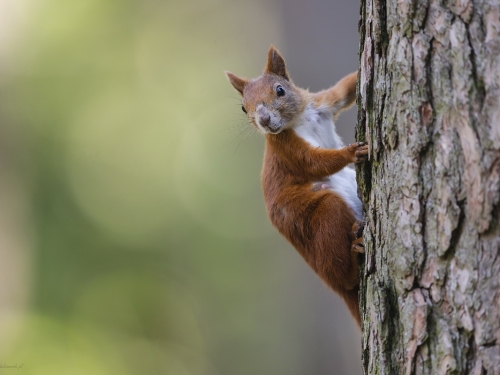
{"points": [[276, 64], [237, 82]]}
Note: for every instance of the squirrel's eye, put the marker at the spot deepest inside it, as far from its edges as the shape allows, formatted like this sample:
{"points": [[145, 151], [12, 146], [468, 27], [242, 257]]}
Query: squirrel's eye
{"points": [[243, 109], [280, 91]]}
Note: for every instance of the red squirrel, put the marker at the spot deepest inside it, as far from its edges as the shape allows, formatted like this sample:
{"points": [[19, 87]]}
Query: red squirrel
{"points": [[310, 195]]}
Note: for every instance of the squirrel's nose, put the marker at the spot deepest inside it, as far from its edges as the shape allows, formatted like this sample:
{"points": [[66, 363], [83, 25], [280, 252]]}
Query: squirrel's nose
{"points": [[264, 120]]}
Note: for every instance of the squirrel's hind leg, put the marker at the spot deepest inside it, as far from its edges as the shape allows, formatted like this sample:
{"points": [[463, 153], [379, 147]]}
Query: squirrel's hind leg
{"points": [[357, 231]]}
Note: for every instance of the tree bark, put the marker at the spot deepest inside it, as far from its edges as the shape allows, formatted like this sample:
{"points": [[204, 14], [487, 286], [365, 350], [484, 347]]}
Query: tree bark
{"points": [[429, 105]]}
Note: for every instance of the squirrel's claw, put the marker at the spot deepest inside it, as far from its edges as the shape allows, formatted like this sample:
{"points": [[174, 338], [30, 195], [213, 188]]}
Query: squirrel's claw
{"points": [[360, 150], [358, 247], [357, 231]]}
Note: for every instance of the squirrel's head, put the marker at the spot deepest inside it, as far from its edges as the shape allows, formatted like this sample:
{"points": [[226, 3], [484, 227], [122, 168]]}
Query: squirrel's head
{"points": [[271, 102]]}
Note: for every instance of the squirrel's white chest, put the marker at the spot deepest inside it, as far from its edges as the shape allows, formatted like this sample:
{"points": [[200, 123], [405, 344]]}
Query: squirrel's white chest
{"points": [[316, 127]]}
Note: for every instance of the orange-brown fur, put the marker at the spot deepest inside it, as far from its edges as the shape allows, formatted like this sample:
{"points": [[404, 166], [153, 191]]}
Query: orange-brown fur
{"points": [[316, 221]]}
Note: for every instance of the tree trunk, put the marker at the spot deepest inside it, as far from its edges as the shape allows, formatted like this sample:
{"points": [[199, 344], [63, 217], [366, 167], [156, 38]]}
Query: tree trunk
{"points": [[429, 104]]}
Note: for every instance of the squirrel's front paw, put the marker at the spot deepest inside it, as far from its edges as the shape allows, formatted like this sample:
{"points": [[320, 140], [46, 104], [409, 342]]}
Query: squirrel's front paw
{"points": [[358, 151]]}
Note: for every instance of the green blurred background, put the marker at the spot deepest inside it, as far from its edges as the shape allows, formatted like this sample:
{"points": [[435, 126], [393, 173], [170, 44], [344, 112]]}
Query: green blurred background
{"points": [[133, 234]]}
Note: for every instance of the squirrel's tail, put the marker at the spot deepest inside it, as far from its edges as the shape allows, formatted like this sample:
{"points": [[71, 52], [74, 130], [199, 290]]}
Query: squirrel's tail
{"points": [[351, 298]]}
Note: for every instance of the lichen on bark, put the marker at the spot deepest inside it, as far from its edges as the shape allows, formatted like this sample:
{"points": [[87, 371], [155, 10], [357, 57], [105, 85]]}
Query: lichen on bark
{"points": [[429, 105]]}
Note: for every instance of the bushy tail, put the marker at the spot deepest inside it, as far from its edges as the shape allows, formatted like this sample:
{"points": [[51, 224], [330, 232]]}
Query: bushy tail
{"points": [[351, 298]]}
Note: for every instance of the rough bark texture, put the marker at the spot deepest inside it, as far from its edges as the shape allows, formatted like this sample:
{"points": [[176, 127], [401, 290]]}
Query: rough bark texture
{"points": [[429, 104]]}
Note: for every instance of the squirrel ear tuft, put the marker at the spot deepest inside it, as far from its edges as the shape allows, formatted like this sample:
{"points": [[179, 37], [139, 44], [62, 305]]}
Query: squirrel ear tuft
{"points": [[237, 82], [276, 64]]}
